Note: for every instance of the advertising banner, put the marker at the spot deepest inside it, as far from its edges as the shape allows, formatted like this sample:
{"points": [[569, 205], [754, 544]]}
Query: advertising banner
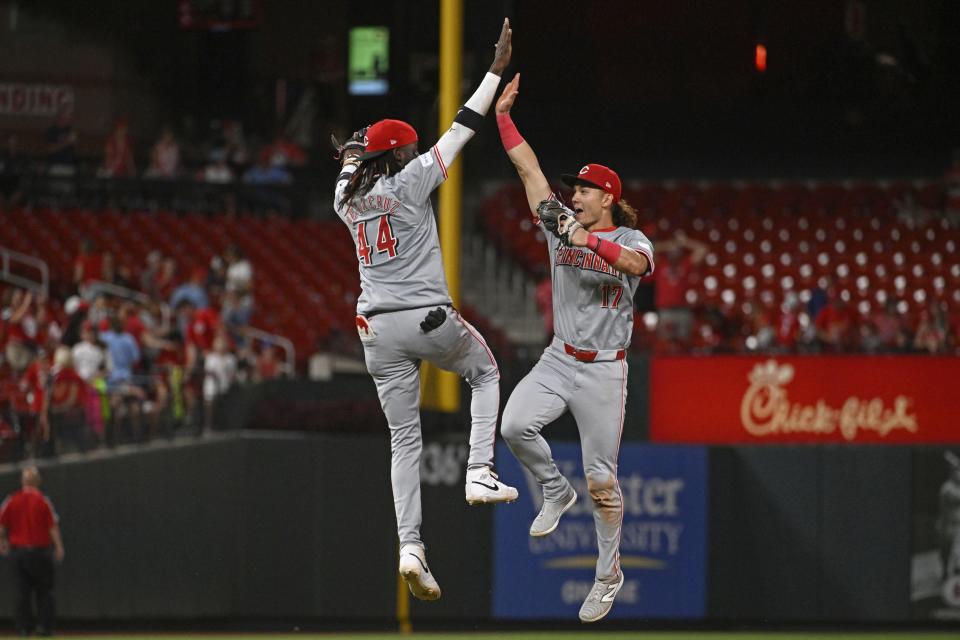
{"points": [[46, 100], [806, 399], [935, 566], [662, 545]]}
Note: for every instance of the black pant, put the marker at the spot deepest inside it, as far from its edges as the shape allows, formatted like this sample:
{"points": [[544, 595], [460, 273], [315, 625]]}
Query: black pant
{"points": [[33, 573]]}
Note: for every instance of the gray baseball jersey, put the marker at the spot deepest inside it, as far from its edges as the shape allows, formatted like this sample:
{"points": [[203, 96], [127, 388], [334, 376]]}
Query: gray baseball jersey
{"points": [[592, 301], [395, 233], [592, 311]]}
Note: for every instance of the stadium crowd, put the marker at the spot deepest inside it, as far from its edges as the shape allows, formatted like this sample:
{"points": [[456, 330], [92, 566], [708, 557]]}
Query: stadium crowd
{"points": [[125, 356], [819, 319], [221, 157], [222, 154]]}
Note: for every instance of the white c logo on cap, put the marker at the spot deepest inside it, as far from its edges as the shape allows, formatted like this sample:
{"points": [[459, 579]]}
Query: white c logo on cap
{"points": [[609, 186], [585, 169], [392, 141], [366, 140]]}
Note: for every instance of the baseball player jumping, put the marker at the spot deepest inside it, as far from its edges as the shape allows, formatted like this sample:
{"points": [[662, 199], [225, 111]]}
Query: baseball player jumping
{"points": [[404, 313], [596, 261]]}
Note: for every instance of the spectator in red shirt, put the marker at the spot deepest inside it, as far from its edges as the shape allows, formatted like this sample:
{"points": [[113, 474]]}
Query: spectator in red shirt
{"points": [[34, 382], [30, 535], [834, 325], [67, 400], [788, 325], [283, 152], [199, 327], [671, 279], [203, 328], [88, 265], [35, 385], [132, 322], [118, 153]]}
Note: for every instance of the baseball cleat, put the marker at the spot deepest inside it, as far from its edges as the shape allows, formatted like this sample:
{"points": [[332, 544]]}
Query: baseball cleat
{"points": [[600, 600], [483, 487], [549, 516], [414, 570]]}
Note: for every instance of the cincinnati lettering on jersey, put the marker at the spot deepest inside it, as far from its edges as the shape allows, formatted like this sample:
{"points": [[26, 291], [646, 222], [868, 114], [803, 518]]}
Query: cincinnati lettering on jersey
{"points": [[584, 259], [361, 205]]}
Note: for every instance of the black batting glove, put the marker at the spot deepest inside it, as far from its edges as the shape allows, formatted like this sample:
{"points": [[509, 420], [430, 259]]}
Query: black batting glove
{"points": [[433, 319], [353, 146]]}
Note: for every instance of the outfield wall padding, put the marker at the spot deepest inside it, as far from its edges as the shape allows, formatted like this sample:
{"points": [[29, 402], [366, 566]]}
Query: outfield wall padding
{"points": [[301, 527]]}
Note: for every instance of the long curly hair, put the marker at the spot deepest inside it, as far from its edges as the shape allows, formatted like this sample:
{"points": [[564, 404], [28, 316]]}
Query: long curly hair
{"points": [[624, 215], [367, 175]]}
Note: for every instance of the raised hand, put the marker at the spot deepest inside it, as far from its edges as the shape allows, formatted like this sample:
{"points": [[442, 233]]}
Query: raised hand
{"points": [[501, 57], [509, 95]]}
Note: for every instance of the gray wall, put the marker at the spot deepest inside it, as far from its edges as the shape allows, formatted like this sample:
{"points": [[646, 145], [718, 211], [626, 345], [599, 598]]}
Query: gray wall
{"points": [[238, 527], [809, 533], [296, 527]]}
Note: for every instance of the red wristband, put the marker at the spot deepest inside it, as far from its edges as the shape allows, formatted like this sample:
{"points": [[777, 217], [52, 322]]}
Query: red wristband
{"points": [[509, 135], [609, 251]]}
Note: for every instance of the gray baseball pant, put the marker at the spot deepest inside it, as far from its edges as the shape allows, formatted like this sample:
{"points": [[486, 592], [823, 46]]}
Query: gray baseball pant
{"points": [[393, 351], [596, 394]]}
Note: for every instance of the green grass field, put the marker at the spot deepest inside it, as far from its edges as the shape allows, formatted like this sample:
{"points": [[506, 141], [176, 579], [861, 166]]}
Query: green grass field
{"points": [[578, 635]]}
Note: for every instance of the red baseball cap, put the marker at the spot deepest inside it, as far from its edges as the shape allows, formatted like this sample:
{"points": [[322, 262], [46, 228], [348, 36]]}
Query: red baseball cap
{"points": [[596, 175], [385, 135]]}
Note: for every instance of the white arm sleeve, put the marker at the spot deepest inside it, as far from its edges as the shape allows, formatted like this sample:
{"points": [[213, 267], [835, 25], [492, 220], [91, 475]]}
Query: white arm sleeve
{"points": [[342, 181], [482, 98], [451, 142]]}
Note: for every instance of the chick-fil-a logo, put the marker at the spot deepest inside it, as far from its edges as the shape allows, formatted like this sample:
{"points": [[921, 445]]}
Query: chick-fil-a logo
{"points": [[766, 409]]}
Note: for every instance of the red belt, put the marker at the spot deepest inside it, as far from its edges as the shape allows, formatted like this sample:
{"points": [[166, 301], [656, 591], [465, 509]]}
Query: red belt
{"points": [[585, 355]]}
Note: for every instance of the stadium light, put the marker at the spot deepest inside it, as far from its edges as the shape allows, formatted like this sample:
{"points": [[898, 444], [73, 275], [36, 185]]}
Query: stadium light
{"points": [[760, 58]]}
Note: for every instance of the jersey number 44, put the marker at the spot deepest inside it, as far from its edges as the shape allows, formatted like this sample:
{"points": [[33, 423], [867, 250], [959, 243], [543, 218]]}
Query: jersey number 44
{"points": [[386, 242]]}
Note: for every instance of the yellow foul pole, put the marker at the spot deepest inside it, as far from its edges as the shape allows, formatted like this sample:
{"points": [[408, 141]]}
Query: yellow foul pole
{"points": [[441, 389]]}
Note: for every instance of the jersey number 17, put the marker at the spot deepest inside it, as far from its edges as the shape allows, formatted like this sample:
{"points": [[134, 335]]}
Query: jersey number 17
{"points": [[610, 295], [386, 241]]}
